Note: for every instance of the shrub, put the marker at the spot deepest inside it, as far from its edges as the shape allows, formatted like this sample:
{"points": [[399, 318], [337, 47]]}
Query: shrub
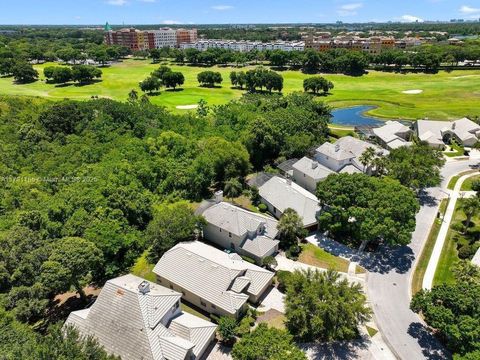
{"points": [[282, 278], [227, 328], [269, 261], [263, 208], [293, 252], [465, 252]]}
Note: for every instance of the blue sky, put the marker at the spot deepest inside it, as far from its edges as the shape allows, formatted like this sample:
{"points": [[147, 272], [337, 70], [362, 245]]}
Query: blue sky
{"points": [[230, 11]]}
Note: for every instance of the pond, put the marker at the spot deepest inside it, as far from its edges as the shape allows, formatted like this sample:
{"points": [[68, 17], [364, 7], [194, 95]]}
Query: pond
{"points": [[355, 116]]}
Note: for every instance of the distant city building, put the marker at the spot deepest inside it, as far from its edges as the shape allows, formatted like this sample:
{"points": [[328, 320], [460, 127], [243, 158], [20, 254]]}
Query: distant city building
{"points": [[243, 46], [136, 40]]}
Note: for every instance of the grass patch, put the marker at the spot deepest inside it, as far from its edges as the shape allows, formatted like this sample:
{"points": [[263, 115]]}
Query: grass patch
{"points": [[467, 184], [457, 150], [337, 133], [371, 331], [422, 264], [454, 179], [315, 256], [455, 239], [189, 308], [277, 321], [143, 268], [446, 95], [360, 270]]}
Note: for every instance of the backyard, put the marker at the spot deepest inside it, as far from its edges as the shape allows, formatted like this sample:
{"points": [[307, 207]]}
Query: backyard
{"points": [[445, 95]]}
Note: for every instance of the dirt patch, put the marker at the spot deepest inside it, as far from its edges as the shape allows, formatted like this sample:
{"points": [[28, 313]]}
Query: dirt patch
{"points": [[273, 318]]}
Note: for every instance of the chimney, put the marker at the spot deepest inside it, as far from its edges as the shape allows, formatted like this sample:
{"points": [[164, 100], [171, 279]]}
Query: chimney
{"points": [[261, 228], [144, 287], [337, 147], [218, 196], [289, 181], [453, 125], [314, 164]]}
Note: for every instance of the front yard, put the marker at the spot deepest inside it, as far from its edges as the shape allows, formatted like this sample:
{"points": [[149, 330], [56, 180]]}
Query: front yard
{"points": [[315, 256]]}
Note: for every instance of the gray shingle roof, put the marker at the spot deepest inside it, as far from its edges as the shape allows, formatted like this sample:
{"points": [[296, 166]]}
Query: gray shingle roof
{"points": [[433, 131], [209, 273], [133, 325], [334, 152], [391, 131], [282, 195]]}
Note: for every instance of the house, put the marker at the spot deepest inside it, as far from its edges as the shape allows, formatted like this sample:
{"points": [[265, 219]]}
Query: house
{"points": [[240, 230], [393, 135], [476, 258], [139, 320], [213, 280], [438, 133], [280, 194], [308, 173]]}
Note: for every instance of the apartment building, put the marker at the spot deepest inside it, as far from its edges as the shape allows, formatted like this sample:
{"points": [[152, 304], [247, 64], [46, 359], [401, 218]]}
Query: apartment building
{"points": [[244, 46], [136, 40]]}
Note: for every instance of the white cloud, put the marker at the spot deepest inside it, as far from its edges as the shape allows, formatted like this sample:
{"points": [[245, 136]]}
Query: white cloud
{"points": [[222, 7], [349, 9], [117, 2], [410, 18], [171, 22], [469, 10]]}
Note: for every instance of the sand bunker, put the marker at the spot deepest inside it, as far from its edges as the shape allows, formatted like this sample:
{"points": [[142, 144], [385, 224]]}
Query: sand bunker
{"points": [[187, 107], [412, 92]]}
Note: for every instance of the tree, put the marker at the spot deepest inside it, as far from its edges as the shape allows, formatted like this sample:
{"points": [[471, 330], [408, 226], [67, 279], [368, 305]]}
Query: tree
{"points": [[6, 66], [173, 79], [233, 188], [358, 208], [72, 262], [278, 58], [470, 207], [227, 329], [171, 224], [290, 228], [367, 157], [476, 187], [317, 84], [150, 84], [209, 78], [321, 307], [416, 167], [311, 61], [85, 74], [24, 73], [58, 74], [238, 79], [161, 71], [156, 55], [265, 343], [133, 96]]}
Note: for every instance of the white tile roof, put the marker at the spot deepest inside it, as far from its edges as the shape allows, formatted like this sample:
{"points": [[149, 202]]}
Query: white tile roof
{"points": [[259, 245], [130, 324], [209, 273], [433, 131], [312, 168], [335, 152], [391, 132], [282, 195]]}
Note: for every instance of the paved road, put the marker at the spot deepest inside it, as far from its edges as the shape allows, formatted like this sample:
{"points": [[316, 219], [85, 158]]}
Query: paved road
{"points": [[388, 283]]}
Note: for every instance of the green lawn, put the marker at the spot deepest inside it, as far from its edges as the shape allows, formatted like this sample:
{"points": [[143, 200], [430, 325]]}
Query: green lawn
{"points": [[422, 264], [143, 268], [445, 95], [467, 184], [315, 256], [449, 256], [454, 179]]}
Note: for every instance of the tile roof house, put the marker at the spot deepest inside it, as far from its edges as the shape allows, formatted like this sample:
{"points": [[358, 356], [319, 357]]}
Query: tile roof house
{"points": [[393, 135], [280, 194], [437, 133], [308, 173], [240, 230], [139, 320], [213, 280]]}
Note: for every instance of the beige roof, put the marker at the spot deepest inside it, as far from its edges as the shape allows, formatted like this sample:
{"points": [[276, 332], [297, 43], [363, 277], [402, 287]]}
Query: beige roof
{"points": [[210, 273], [433, 131], [391, 132], [239, 221], [312, 168], [283, 194], [334, 151], [133, 325]]}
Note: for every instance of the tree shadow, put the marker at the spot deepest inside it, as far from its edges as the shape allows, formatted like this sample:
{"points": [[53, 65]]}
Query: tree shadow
{"points": [[211, 86], [431, 347], [345, 350], [82, 84], [175, 90], [154, 93], [64, 85], [386, 259]]}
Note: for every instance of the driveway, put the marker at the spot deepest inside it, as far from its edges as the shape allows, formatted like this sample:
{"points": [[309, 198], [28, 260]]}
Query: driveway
{"points": [[389, 282]]}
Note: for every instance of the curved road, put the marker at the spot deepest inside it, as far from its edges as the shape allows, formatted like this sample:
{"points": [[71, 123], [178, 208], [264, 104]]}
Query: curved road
{"points": [[388, 282]]}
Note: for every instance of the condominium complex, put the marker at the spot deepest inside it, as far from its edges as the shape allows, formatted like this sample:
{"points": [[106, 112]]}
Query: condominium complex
{"points": [[136, 40], [371, 45], [244, 46]]}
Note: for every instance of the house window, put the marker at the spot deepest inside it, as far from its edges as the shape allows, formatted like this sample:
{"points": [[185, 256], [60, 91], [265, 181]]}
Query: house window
{"points": [[183, 293], [203, 303], [229, 234], [220, 229], [274, 210], [213, 306], [232, 245], [171, 286]]}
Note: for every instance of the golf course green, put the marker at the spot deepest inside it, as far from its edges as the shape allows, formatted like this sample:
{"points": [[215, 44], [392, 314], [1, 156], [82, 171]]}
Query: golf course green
{"points": [[446, 95]]}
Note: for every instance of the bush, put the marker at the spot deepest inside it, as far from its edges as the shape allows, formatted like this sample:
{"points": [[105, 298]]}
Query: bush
{"points": [[248, 259], [269, 261], [263, 208], [458, 226], [244, 326], [466, 251], [227, 327], [293, 252]]}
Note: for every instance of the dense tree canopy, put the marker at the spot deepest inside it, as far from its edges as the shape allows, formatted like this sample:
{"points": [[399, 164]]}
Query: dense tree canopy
{"points": [[360, 208], [265, 343], [320, 306]]}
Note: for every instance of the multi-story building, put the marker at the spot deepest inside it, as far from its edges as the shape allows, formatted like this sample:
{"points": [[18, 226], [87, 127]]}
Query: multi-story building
{"points": [[149, 39], [244, 46]]}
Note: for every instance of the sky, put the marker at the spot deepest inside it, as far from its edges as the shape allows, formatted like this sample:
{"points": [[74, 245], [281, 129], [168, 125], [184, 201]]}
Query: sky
{"points": [[231, 11]]}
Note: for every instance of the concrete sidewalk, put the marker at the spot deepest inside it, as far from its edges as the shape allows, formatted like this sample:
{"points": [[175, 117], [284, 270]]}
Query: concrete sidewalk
{"points": [[442, 234]]}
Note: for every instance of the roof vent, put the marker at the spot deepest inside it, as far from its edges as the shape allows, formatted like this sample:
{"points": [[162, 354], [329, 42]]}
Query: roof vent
{"points": [[337, 147], [314, 164], [144, 287], [453, 125], [289, 181], [218, 196]]}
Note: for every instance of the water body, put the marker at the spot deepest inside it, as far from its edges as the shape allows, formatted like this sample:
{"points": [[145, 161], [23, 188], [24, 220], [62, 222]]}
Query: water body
{"points": [[355, 116]]}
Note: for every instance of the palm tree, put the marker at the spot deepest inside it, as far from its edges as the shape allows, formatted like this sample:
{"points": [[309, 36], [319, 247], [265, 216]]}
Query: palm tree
{"points": [[367, 157], [470, 206], [290, 228], [232, 189]]}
